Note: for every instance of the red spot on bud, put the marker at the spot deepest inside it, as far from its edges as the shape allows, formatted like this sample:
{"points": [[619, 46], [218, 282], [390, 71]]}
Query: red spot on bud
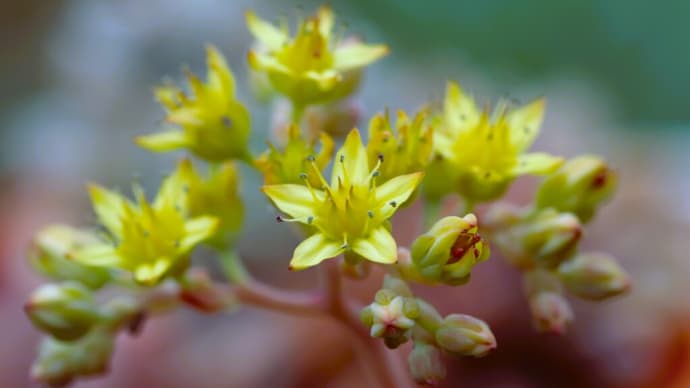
{"points": [[599, 180]]}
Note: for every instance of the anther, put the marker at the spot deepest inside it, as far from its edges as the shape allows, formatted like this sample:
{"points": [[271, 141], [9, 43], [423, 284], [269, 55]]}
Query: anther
{"points": [[310, 219], [311, 158], [342, 158], [380, 157], [393, 203], [303, 176], [370, 214], [225, 120], [279, 219]]}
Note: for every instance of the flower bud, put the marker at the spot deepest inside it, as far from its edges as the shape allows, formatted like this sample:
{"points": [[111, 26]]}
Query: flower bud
{"points": [[391, 317], [579, 187], [426, 365], [66, 311], [49, 250], [594, 276], [449, 250], [59, 362], [543, 238], [464, 335], [551, 312]]}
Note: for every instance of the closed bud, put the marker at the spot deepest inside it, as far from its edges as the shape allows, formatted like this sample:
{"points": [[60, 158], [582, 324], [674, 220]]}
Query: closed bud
{"points": [[48, 255], [426, 365], [66, 311], [551, 312], [539, 239], [578, 187], [58, 362], [449, 250], [594, 276], [464, 335], [391, 317]]}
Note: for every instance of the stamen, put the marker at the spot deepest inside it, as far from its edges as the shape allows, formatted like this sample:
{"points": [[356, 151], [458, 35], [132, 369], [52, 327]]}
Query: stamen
{"points": [[393, 203]]}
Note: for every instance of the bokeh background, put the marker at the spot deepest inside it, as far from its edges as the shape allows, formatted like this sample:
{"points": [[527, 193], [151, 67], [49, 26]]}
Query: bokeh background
{"points": [[76, 82]]}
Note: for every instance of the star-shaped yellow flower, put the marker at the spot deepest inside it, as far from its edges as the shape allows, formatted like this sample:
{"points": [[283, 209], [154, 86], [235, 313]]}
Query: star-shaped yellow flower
{"points": [[215, 125], [288, 165], [311, 67], [348, 214], [486, 152], [151, 240]]}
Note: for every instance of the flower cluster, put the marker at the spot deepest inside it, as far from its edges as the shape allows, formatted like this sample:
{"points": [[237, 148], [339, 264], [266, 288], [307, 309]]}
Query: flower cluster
{"points": [[145, 247]]}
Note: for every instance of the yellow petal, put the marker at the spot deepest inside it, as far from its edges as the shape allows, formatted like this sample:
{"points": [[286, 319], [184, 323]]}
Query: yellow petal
{"points": [[537, 163], [351, 161], [168, 96], [108, 207], [325, 80], [294, 200], [314, 250], [163, 141], [97, 255], [356, 55], [151, 273], [174, 188], [393, 193], [378, 247], [220, 77], [460, 110], [266, 33], [326, 20], [525, 123], [197, 230], [265, 62]]}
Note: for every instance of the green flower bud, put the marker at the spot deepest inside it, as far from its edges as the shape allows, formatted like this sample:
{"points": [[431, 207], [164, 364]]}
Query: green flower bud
{"points": [[464, 335], [66, 311], [449, 250], [48, 255], [426, 365], [543, 238], [594, 276], [579, 187], [551, 312], [58, 362], [391, 317]]}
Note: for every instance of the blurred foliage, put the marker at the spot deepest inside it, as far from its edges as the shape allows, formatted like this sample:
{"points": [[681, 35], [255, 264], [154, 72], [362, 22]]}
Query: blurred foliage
{"points": [[634, 49]]}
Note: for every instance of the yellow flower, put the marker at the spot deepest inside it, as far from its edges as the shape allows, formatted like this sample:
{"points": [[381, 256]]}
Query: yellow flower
{"points": [[313, 66], [151, 240], [215, 126], [216, 194], [348, 215], [405, 149], [289, 165], [485, 153]]}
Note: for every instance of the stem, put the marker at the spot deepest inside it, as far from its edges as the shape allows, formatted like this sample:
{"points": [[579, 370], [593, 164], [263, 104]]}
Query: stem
{"points": [[389, 368], [297, 113], [469, 206], [234, 269], [291, 302], [432, 211]]}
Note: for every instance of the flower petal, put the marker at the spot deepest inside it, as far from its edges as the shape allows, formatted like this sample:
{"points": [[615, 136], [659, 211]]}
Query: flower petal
{"points": [[97, 255], [351, 161], [525, 123], [151, 273], [356, 55], [266, 33], [220, 77], [393, 193], [537, 163], [297, 201], [326, 20], [460, 110], [265, 62], [314, 250], [108, 206], [163, 141], [174, 188], [197, 230], [379, 246], [325, 80]]}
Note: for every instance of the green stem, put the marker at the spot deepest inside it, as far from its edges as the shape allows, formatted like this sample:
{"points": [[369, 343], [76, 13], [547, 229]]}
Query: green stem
{"points": [[432, 211], [297, 113], [234, 269], [469, 206]]}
